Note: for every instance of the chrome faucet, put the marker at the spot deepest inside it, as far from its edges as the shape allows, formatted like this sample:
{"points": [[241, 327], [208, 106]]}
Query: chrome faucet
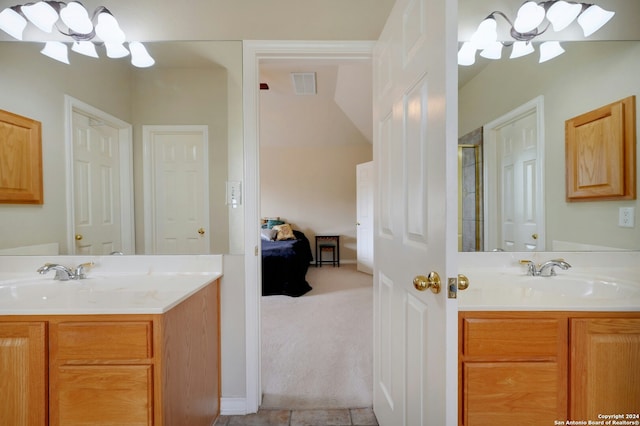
{"points": [[545, 269], [65, 274]]}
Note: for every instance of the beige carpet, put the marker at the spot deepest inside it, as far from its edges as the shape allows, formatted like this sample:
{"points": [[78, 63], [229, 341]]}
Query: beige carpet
{"points": [[317, 348]]}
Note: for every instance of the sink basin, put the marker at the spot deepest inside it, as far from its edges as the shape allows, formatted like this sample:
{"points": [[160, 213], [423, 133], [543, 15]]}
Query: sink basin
{"points": [[579, 287]]}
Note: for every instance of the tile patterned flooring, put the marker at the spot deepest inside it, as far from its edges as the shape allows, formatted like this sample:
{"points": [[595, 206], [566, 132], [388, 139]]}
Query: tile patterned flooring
{"points": [[333, 417]]}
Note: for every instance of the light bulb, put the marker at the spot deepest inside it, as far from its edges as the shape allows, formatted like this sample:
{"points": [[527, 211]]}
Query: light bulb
{"points": [[56, 50], [139, 55], [529, 16], [86, 48], [76, 17], [593, 18], [41, 14], [521, 48], [12, 23], [549, 50]]}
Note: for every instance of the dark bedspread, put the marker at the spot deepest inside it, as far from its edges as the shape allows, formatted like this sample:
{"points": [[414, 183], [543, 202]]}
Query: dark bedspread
{"points": [[284, 266]]}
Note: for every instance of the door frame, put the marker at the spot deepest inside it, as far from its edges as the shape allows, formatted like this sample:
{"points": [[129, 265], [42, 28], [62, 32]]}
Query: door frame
{"points": [[535, 105], [148, 152], [253, 51], [125, 137]]}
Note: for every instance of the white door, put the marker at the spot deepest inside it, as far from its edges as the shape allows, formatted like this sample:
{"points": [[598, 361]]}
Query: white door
{"points": [[176, 189], [101, 182], [415, 224], [515, 205], [364, 245]]}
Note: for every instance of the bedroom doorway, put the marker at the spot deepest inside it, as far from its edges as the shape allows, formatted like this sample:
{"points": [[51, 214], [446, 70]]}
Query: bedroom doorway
{"points": [[314, 326]]}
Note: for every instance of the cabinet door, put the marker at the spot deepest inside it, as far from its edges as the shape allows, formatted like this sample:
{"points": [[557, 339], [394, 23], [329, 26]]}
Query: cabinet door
{"points": [[605, 367], [103, 395], [23, 374]]}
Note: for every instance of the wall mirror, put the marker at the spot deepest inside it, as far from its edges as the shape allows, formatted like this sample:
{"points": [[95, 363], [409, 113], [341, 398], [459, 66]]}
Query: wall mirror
{"points": [[192, 83], [588, 75]]}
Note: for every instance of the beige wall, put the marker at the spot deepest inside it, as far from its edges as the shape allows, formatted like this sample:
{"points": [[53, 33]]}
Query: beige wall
{"points": [[314, 188], [587, 76]]}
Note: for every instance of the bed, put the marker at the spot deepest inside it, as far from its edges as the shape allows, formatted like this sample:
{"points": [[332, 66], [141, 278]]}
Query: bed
{"points": [[285, 264]]}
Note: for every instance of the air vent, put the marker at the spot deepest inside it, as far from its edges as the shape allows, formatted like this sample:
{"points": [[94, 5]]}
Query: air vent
{"points": [[304, 83]]}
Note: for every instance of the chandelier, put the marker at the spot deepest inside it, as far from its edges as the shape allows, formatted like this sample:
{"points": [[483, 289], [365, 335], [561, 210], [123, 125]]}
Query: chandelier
{"points": [[532, 20], [84, 32]]}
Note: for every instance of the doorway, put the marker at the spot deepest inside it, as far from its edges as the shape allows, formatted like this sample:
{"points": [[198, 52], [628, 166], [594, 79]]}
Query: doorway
{"points": [[253, 53]]}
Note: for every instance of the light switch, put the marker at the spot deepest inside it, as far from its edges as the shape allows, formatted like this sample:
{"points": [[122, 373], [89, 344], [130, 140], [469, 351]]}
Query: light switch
{"points": [[234, 193]]}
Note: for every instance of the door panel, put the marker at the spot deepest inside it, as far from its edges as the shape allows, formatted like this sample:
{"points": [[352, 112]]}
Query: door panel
{"points": [[414, 133]]}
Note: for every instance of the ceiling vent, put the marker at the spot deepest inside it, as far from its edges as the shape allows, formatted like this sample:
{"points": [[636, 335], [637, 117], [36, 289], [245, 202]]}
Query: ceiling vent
{"points": [[304, 83]]}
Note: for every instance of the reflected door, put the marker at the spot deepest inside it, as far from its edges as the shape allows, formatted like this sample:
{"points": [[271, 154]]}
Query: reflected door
{"points": [[176, 190], [514, 191], [96, 186]]}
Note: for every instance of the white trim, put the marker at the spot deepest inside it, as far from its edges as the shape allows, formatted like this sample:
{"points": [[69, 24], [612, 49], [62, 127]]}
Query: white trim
{"points": [[253, 52], [535, 105], [233, 406], [125, 137], [148, 153]]}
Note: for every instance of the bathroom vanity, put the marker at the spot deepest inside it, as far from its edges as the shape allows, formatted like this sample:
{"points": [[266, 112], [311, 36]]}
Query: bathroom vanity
{"points": [[533, 367], [540, 350], [134, 350]]}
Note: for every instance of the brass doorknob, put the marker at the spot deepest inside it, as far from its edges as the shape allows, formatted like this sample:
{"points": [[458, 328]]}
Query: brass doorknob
{"points": [[201, 231], [432, 281], [78, 237], [463, 282], [534, 236]]}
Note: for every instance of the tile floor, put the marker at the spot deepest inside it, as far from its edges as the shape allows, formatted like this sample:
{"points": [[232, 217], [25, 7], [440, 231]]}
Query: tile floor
{"points": [[334, 417]]}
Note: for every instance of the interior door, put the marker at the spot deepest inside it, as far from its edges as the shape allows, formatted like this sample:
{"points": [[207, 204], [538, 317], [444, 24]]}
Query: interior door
{"points": [[364, 183], [415, 225], [176, 189], [96, 186], [513, 153]]}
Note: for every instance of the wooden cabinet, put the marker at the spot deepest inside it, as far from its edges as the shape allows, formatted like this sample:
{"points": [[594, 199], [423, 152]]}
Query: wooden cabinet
{"points": [[538, 367], [605, 367], [23, 373], [513, 368], [133, 369]]}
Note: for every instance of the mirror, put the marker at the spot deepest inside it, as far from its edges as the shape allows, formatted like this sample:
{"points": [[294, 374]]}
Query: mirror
{"points": [[587, 76], [192, 83]]}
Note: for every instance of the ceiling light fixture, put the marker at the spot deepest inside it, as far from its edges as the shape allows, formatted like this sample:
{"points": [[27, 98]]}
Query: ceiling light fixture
{"points": [[83, 30], [532, 20]]}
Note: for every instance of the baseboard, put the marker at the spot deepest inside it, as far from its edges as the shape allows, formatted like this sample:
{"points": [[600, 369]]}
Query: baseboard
{"points": [[233, 406]]}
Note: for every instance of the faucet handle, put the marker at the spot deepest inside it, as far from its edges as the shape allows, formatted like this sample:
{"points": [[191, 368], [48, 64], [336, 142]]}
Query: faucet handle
{"points": [[81, 270], [531, 267]]}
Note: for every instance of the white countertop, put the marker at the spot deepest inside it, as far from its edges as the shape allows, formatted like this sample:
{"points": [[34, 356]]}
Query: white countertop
{"points": [[595, 282], [116, 285]]}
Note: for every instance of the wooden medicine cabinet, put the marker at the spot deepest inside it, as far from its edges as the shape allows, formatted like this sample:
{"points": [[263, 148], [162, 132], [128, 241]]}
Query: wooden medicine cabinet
{"points": [[601, 153], [20, 159]]}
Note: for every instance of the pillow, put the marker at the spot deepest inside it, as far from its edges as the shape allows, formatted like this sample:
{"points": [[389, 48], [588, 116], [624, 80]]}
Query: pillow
{"points": [[272, 222], [284, 232], [268, 234]]}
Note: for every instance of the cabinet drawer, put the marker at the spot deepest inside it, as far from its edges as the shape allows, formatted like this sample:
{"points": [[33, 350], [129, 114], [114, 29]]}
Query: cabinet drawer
{"points": [[103, 395], [526, 338], [103, 340], [505, 393]]}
